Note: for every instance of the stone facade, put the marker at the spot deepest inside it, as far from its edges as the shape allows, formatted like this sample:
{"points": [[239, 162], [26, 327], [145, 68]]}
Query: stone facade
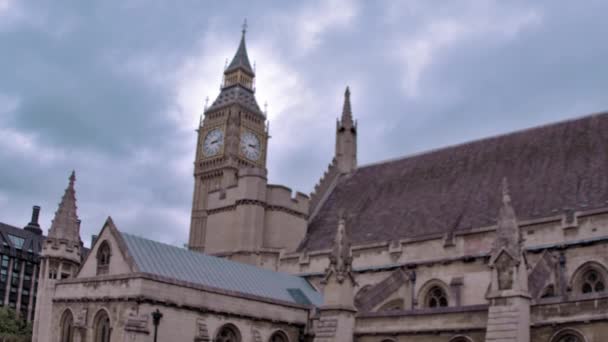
{"points": [[504, 239]]}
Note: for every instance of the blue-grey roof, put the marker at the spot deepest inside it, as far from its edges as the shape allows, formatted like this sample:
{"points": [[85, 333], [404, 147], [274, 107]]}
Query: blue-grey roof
{"points": [[181, 264], [236, 94]]}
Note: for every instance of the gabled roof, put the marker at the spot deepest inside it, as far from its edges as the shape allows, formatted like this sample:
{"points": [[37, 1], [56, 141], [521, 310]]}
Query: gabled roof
{"points": [[21, 239], [552, 169], [180, 264]]}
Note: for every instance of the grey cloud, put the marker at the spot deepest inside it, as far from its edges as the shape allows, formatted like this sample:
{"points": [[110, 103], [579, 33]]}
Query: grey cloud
{"points": [[95, 83]]}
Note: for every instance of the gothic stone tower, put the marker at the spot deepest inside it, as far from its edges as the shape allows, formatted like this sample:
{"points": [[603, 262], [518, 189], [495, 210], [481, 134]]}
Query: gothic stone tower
{"points": [[233, 136], [60, 259]]}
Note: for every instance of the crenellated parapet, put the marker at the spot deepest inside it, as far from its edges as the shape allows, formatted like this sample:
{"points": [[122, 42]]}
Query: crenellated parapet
{"points": [[324, 187]]}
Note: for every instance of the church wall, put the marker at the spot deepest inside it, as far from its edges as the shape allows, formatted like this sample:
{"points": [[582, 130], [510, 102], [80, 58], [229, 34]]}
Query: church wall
{"points": [[436, 326], [184, 309], [221, 231], [117, 264], [283, 230]]}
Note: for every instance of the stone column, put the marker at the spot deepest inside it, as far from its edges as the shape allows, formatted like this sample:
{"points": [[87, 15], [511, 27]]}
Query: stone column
{"points": [[20, 288], [30, 304], [9, 277]]}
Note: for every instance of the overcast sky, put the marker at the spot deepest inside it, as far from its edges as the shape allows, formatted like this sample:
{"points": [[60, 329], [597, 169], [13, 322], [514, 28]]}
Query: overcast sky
{"points": [[114, 89]]}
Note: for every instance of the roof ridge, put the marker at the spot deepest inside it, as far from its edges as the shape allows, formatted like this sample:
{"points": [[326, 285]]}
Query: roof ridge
{"points": [[206, 255], [487, 138]]}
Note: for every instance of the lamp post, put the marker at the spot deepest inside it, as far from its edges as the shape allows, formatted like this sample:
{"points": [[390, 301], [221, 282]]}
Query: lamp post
{"points": [[156, 316]]}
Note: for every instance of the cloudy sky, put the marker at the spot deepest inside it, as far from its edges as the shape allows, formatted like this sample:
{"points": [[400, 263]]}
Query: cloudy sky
{"points": [[114, 89]]}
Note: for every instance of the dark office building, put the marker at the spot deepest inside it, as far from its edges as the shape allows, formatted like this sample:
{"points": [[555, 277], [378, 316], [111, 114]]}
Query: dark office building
{"points": [[19, 260]]}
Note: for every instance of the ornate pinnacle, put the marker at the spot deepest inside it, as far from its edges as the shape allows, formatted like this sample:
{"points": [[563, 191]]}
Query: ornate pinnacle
{"points": [[244, 27], [340, 260], [66, 223], [347, 115]]}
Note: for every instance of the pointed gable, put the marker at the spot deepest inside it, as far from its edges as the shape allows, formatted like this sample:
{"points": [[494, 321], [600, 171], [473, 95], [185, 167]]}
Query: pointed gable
{"points": [[120, 262]]}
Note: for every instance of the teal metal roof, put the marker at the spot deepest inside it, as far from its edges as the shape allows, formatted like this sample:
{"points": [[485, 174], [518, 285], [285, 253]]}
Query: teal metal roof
{"points": [[181, 264]]}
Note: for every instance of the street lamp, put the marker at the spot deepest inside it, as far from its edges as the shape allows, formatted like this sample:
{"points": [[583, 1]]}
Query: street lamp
{"points": [[156, 316]]}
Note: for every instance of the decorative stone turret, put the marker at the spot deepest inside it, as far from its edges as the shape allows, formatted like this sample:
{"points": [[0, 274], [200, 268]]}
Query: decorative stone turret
{"points": [[337, 315], [345, 158], [346, 138], [60, 259], [509, 312]]}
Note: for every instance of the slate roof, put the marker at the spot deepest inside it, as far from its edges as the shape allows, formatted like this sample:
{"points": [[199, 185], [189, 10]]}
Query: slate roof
{"points": [[241, 59], [25, 240], [236, 94], [551, 169], [198, 268]]}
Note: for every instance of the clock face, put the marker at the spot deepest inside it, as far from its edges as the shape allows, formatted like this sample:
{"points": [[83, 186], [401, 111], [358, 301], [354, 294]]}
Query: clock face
{"points": [[250, 146], [213, 142]]}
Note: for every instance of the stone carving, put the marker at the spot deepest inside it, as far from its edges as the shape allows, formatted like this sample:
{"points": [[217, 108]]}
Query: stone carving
{"points": [[505, 266], [202, 333], [340, 260], [257, 337], [326, 328], [81, 318], [135, 322]]}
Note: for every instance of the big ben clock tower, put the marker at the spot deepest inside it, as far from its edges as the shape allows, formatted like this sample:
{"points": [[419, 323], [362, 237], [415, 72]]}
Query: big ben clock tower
{"points": [[233, 136]]}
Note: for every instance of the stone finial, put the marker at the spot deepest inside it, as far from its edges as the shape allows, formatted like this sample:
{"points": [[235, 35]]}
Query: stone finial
{"points": [[347, 114], [340, 260], [507, 232], [66, 223]]}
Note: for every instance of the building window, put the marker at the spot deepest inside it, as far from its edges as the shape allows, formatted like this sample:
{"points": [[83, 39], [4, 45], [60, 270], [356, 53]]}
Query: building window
{"points": [[102, 327], [103, 258], [67, 327], [436, 298], [461, 339], [592, 282], [568, 335], [228, 333], [278, 336]]}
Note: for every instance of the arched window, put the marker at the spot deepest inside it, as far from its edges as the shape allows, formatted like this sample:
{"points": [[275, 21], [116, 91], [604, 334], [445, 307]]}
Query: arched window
{"points": [[461, 339], [67, 327], [102, 327], [278, 336], [103, 258], [228, 333], [592, 282], [568, 335], [436, 297]]}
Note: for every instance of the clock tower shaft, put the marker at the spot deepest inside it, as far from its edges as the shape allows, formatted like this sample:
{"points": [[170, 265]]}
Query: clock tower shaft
{"points": [[232, 136]]}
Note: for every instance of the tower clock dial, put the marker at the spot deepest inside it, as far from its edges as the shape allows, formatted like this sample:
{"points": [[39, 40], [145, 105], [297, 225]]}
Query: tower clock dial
{"points": [[214, 140], [250, 146]]}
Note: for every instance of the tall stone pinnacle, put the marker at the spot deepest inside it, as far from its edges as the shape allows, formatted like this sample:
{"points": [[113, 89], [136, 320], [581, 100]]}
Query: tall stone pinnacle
{"points": [[66, 225], [347, 114], [507, 233]]}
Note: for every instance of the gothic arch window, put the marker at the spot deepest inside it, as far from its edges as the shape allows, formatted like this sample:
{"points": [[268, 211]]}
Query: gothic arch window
{"points": [[436, 297], [67, 326], [228, 333], [589, 278], [104, 253], [278, 336], [592, 282], [461, 339], [568, 335], [103, 330]]}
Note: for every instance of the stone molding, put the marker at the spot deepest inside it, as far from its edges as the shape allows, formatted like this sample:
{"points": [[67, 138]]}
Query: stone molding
{"points": [[171, 281]]}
